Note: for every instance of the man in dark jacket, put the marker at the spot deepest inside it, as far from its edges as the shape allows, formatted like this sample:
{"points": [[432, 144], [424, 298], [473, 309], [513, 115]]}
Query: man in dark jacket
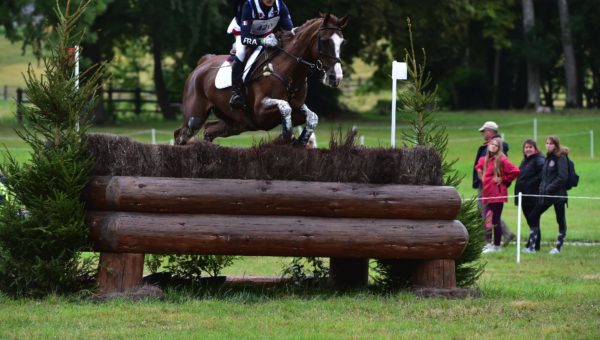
{"points": [[489, 131]]}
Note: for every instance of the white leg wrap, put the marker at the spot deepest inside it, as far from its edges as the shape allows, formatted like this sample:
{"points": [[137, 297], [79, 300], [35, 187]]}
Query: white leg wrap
{"points": [[284, 108], [312, 120]]}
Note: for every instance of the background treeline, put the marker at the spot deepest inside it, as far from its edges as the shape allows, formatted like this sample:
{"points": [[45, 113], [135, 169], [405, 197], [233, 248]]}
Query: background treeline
{"points": [[481, 54]]}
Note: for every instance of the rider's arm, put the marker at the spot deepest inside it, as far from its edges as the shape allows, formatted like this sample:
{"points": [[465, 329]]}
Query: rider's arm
{"points": [[285, 22], [246, 25]]}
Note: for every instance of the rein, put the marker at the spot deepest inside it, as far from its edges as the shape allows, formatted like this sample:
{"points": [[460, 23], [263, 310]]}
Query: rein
{"points": [[318, 65]]}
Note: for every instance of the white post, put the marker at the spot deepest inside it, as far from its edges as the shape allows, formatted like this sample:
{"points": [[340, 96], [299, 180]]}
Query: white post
{"points": [[153, 136], [77, 66], [393, 135], [535, 130], [77, 75], [362, 140], [520, 203], [591, 144], [399, 71], [503, 136]]}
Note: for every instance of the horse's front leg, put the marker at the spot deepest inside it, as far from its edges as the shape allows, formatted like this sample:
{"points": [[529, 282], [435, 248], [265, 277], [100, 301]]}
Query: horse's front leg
{"points": [[284, 108], [312, 120]]}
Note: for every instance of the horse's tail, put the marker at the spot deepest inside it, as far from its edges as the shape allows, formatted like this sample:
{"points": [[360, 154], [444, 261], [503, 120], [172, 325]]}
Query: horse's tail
{"points": [[204, 58]]}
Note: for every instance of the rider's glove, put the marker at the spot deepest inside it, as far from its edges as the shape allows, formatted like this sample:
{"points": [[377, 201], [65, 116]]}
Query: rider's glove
{"points": [[269, 41]]}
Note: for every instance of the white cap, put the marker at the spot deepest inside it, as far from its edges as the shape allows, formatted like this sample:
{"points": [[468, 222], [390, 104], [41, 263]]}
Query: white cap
{"points": [[489, 125]]}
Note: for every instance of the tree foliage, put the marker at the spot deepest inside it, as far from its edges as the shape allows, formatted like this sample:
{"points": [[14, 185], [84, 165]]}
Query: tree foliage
{"points": [[42, 229], [478, 48]]}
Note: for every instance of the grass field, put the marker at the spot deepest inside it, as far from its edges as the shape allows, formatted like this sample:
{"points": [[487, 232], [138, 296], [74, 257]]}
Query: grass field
{"points": [[543, 297]]}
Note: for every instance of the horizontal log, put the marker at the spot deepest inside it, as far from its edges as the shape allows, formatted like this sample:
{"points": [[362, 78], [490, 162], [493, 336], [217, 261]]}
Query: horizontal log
{"points": [[256, 197], [276, 235]]}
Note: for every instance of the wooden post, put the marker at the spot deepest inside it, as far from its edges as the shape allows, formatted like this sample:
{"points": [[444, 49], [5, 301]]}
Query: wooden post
{"points": [[19, 103], [138, 100], [5, 94], [346, 273], [120, 271], [434, 274]]}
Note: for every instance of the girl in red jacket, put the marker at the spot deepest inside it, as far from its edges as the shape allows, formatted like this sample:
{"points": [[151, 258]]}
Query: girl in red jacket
{"points": [[495, 172]]}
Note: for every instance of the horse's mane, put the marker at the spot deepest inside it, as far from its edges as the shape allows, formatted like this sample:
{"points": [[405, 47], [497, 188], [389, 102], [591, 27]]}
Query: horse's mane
{"points": [[301, 30]]}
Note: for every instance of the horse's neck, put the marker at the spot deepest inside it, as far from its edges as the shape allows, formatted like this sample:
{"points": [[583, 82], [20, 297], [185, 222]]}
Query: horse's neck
{"points": [[302, 49]]}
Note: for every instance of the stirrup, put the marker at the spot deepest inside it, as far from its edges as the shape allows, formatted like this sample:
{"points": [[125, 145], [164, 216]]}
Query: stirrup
{"points": [[237, 102]]}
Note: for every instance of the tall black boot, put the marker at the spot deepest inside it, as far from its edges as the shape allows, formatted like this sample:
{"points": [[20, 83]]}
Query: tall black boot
{"points": [[237, 97]]}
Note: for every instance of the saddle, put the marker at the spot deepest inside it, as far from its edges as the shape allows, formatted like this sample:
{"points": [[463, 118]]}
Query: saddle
{"points": [[223, 78]]}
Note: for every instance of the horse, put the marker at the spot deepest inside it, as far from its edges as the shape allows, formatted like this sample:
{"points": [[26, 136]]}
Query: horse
{"points": [[274, 93]]}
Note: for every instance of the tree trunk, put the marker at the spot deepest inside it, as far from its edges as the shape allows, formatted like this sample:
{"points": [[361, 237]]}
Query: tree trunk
{"points": [[162, 95], [99, 114], [496, 78], [570, 64], [533, 70]]}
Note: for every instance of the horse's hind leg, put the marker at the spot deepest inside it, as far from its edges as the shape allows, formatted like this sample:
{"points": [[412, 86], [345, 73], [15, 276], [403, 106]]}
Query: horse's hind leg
{"points": [[195, 113], [219, 128]]}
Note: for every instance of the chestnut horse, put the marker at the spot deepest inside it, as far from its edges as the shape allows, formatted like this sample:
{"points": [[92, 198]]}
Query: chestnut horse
{"points": [[275, 93]]}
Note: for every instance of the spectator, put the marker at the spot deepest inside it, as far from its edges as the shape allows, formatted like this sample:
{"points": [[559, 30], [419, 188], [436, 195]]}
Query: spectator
{"points": [[489, 130], [555, 174], [529, 180], [495, 172]]}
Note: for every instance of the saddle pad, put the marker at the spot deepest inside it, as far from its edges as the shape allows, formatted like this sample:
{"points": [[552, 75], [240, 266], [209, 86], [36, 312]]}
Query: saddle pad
{"points": [[223, 78]]}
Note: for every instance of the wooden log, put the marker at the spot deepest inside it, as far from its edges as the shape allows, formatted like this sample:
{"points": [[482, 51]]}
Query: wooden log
{"points": [[347, 273], [276, 235], [254, 197], [120, 272], [435, 274]]}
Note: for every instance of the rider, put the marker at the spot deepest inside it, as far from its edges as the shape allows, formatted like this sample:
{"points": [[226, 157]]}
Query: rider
{"points": [[253, 25]]}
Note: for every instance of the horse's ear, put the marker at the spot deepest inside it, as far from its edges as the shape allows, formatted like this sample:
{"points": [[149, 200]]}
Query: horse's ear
{"points": [[343, 22]]}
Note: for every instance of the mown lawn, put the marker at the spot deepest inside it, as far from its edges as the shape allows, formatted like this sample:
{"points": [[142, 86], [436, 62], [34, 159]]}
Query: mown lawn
{"points": [[543, 297]]}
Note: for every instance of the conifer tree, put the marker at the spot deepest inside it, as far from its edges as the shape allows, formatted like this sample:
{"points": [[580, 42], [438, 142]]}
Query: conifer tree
{"points": [[42, 231], [419, 102]]}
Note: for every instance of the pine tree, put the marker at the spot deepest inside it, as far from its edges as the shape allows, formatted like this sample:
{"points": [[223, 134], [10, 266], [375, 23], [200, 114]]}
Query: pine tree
{"points": [[42, 231], [419, 103]]}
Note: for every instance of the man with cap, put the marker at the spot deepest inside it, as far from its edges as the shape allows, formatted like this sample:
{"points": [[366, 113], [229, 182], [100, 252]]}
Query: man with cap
{"points": [[489, 131]]}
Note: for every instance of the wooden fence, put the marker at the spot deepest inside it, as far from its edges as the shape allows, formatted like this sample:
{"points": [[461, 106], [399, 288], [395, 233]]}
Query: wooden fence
{"points": [[137, 99]]}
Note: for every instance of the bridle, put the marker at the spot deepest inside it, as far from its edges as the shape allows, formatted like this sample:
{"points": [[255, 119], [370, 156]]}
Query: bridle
{"points": [[318, 65]]}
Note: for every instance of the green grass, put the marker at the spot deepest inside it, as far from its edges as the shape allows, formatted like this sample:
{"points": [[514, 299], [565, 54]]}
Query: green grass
{"points": [[13, 63], [544, 296]]}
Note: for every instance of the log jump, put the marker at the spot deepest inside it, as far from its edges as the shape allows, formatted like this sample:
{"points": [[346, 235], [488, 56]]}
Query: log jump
{"points": [[348, 222]]}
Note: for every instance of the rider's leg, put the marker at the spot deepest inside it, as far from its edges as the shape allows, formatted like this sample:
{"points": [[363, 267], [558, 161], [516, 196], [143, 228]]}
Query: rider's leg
{"points": [[237, 71], [311, 124]]}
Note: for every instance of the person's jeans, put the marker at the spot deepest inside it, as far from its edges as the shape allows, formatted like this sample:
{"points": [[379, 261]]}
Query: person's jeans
{"points": [[533, 219], [496, 211]]}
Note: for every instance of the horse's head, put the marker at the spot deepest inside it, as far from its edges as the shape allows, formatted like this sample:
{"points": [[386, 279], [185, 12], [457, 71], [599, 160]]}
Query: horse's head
{"points": [[329, 44]]}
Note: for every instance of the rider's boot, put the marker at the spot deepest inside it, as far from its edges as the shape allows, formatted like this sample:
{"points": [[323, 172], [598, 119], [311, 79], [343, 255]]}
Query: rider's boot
{"points": [[237, 97]]}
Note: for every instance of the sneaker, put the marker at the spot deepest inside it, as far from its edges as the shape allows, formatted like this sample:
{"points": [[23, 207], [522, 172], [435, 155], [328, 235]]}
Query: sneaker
{"points": [[529, 251], [492, 249], [507, 239], [554, 251], [488, 246]]}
